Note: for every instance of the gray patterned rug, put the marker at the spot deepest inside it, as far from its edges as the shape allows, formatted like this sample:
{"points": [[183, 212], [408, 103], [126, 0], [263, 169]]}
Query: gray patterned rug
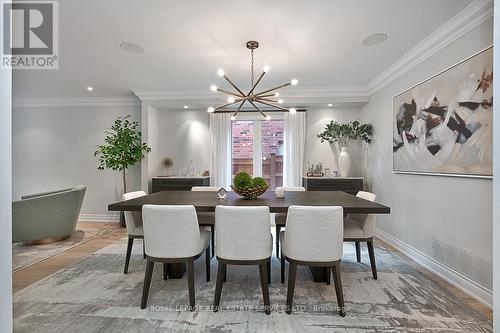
{"points": [[95, 296]]}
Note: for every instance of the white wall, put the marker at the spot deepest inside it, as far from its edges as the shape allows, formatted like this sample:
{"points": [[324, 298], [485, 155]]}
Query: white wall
{"points": [[179, 134], [5, 202], [327, 154], [496, 181], [53, 148], [447, 219]]}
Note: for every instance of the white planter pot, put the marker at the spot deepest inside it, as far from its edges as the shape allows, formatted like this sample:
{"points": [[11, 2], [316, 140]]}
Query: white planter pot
{"points": [[344, 162]]}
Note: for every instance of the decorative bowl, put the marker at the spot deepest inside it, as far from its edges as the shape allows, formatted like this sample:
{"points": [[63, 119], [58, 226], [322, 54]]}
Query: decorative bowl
{"points": [[250, 192]]}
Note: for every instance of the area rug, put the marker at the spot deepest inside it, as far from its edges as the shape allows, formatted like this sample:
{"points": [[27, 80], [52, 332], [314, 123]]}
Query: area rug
{"points": [[95, 296], [26, 255]]}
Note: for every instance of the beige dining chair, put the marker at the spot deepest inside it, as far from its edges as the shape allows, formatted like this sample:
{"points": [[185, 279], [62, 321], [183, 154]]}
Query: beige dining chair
{"points": [[361, 228], [278, 219], [207, 218], [133, 222], [313, 237], [172, 235], [243, 237]]}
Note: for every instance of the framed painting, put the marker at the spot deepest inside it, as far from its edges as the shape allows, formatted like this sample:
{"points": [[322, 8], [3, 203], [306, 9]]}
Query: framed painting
{"points": [[444, 125]]}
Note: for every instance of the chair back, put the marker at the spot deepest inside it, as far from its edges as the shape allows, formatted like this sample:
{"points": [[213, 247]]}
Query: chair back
{"points": [[171, 231], [133, 220], [291, 188], [243, 233], [205, 188], [314, 233], [367, 220]]}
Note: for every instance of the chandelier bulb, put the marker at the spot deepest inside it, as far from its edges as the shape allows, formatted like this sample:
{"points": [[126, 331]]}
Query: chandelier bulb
{"points": [[292, 110], [266, 68], [210, 110], [268, 118], [233, 117], [277, 94], [280, 101], [220, 72], [213, 87], [294, 82]]}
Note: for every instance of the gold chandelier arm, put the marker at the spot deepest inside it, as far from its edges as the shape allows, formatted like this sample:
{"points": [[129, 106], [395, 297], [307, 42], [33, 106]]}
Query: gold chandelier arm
{"points": [[234, 86], [239, 108], [271, 104], [255, 106], [270, 95], [256, 83], [224, 105], [268, 90], [229, 93]]}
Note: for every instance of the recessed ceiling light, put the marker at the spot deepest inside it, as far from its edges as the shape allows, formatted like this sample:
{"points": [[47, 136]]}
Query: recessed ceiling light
{"points": [[185, 106], [131, 47], [330, 105], [89, 88], [373, 40]]}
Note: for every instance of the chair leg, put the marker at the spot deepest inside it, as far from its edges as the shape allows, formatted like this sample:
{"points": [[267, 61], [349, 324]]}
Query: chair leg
{"points": [[292, 272], [221, 271], [143, 249], [371, 253], [282, 268], [207, 262], [165, 271], [278, 229], [212, 229], [129, 252], [358, 251], [338, 289], [328, 275], [190, 271], [265, 287], [147, 283], [269, 271], [225, 273]]}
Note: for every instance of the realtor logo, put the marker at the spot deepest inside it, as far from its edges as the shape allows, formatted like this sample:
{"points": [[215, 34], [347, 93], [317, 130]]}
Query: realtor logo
{"points": [[29, 38]]}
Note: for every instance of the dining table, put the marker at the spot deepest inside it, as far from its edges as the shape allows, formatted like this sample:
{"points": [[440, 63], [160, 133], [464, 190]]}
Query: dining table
{"points": [[208, 201]]}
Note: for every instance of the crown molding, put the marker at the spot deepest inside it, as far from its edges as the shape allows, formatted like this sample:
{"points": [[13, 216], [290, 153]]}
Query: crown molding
{"points": [[76, 102], [476, 13]]}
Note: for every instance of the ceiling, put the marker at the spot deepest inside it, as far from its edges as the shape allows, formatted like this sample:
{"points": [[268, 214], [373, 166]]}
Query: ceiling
{"points": [[185, 42]]}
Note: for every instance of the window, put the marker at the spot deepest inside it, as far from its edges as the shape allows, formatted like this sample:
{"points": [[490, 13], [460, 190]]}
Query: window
{"points": [[257, 148]]}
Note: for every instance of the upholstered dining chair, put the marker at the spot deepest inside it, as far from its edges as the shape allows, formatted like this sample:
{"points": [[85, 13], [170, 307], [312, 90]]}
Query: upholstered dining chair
{"points": [[313, 237], [243, 237], [172, 235], [207, 218], [361, 228], [133, 222], [277, 219]]}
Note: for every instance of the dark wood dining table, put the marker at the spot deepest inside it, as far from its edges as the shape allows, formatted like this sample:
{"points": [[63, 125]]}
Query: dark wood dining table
{"points": [[207, 201]]}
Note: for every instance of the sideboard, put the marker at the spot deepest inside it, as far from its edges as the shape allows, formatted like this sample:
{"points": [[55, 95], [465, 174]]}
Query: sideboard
{"points": [[178, 183], [351, 185]]}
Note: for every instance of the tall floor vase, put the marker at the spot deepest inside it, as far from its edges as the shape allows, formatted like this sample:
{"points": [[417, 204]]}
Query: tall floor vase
{"points": [[344, 162]]}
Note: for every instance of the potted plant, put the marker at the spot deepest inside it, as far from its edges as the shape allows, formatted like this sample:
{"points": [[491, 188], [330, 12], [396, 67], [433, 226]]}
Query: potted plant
{"points": [[247, 187], [122, 148], [343, 134]]}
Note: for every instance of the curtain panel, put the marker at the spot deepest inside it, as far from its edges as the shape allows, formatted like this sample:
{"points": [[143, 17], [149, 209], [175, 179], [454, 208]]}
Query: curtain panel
{"points": [[220, 149], [295, 140]]}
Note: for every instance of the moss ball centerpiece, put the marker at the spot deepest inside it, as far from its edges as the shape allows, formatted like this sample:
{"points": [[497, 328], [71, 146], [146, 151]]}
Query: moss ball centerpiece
{"points": [[247, 187]]}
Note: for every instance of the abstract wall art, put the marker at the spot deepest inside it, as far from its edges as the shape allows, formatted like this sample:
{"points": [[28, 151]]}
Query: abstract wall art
{"points": [[444, 125]]}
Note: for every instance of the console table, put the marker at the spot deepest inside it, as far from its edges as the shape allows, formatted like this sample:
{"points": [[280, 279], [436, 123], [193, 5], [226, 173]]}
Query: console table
{"points": [[351, 185], [175, 183]]}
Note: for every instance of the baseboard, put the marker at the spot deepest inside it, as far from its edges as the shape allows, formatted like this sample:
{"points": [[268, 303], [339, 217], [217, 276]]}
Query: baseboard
{"points": [[106, 217], [462, 282]]}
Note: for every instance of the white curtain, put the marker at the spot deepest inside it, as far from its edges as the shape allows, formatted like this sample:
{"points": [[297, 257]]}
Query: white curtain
{"points": [[295, 140], [220, 150]]}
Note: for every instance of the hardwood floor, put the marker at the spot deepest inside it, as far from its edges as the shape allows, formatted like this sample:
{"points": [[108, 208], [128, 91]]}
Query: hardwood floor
{"points": [[109, 232]]}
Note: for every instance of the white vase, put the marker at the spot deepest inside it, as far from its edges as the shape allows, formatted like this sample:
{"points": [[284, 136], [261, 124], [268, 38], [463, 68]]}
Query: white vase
{"points": [[344, 162]]}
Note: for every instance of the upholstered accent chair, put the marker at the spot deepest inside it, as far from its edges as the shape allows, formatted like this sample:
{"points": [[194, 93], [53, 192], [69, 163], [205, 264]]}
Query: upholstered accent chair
{"points": [[207, 219], [133, 222], [281, 217], [243, 237], [46, 217], [172, 235], [361, 228], [313, 237]]}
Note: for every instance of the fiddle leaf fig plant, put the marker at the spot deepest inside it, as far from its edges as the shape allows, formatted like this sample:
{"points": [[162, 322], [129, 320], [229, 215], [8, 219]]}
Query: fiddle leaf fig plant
{"points": [[122, 148], [343, 133]]}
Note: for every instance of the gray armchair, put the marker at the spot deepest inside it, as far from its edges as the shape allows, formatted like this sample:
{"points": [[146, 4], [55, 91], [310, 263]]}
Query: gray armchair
{"points": [[46, 216]]}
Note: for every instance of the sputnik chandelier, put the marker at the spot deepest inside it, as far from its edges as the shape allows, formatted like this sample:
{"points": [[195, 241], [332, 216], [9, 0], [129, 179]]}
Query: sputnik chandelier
{"points": [[269, 97]]}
